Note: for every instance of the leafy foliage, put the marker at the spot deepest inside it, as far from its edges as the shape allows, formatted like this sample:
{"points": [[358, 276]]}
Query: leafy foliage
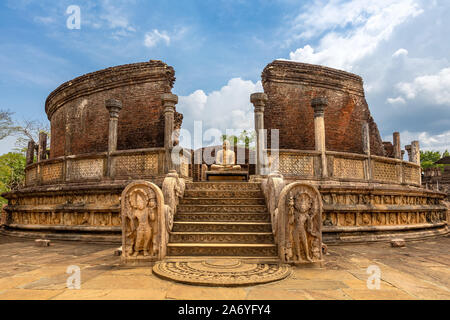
{"points": [[245, 138], [12, 172], [428, 158]]}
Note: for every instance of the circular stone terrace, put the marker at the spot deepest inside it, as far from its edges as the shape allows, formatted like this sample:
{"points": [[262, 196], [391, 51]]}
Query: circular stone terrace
{"points": [[76, 195]]}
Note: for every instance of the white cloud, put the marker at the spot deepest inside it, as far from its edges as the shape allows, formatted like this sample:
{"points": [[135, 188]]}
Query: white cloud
{"points": [[398, 100], [433, 88], [115, 15], [227, 108], [372, 24], [154, 37], [44, 20], [400, 52], [325, 15]]}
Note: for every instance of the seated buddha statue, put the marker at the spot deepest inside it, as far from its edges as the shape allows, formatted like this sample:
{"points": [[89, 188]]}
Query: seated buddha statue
{"points": [[225, 159]]}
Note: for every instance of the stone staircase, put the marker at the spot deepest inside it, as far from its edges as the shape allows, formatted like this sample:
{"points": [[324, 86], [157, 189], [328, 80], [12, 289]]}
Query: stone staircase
{"points": [[222, 219]]}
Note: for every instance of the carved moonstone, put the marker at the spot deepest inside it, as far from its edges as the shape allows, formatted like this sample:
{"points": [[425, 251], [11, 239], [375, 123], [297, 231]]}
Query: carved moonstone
{"points": [[299, 235], [144, 235]]}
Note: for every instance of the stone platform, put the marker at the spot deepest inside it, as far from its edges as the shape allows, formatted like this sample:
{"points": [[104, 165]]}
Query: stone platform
{"points": [[418, 271]]}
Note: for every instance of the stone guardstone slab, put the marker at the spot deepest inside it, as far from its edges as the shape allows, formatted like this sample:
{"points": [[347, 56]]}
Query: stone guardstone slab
{"points": [[221, 272]]}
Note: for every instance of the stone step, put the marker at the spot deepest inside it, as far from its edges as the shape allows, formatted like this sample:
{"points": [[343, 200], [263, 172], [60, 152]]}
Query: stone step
{"points": [[213, 237], [184, 208], [224, 186], [222, 201], [236, 194], [225, 217], [222, 249], [244, 259], [188, 226]]}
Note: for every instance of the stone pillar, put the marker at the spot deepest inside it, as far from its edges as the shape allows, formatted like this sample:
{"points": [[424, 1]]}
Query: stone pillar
{"points": [[408, 149], [30, 152], [397, 146], [366, 150], [259, 101], [169, 101], [114, 106], [415, 157], [415, 152], [319, 105], [42, 149]]}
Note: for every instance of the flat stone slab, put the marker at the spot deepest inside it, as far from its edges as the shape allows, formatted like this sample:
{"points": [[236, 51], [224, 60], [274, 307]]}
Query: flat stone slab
{"points": [[42, 242], [221, 272], [227, 175]]}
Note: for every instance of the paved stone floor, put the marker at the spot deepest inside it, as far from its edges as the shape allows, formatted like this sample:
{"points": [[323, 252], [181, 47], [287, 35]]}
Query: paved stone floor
{"points": [[419, 271]]}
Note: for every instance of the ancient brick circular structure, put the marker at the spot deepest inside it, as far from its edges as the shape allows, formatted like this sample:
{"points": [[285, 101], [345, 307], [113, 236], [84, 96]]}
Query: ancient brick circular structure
{"points": [[75, 193], [290, 86], [79, 119]]}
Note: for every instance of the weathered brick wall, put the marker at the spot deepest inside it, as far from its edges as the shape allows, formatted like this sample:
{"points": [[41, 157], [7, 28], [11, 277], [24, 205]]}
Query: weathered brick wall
{"points": [[79, 119], [388, 148], [290, 87]]}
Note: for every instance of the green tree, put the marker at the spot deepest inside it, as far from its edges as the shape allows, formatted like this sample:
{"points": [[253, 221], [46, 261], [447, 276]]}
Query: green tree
{"points": [[12, 172], [231, 138], [428, 159], [245, 138]]}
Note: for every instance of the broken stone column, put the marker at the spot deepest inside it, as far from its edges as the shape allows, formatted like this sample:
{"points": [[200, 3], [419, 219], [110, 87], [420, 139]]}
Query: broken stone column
{"points": [[30, 152], [42, 149], [319, 105], [408, 149], [114, 106], [415, 157], [415, 152], [259, 101], [397, 146], [169, 101]]}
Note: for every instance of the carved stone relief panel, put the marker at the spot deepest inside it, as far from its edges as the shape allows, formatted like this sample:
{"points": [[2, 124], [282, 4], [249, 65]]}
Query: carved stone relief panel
{"points": [[143, 222], [300, 224]]}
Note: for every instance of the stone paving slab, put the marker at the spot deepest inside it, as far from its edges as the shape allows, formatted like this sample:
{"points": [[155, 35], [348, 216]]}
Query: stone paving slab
{"points": [[418, 271]]}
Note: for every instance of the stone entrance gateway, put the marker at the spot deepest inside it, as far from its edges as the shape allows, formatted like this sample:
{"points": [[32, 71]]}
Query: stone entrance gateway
{"points": [[114, 127]]}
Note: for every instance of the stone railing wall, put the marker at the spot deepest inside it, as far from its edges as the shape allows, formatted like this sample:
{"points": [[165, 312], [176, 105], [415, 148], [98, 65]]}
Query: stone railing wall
{"points": [[126, 164], [346, 166]]}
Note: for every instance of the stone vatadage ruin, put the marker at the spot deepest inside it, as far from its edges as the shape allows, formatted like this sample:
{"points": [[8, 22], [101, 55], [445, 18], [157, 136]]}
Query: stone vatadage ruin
{"points": [[108, 176]]}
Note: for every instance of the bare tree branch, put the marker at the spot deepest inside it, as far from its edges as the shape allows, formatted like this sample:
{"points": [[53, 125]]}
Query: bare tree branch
{"points": [[6, 124]]}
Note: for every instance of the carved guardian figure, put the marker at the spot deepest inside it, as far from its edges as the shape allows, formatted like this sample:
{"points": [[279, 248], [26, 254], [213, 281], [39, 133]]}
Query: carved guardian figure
{"points": [[300, 224], [143, 222]]}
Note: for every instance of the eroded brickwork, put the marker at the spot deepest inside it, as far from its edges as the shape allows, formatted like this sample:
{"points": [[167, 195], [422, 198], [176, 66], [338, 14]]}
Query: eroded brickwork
{"points": [[290, 87], [79, 119]]}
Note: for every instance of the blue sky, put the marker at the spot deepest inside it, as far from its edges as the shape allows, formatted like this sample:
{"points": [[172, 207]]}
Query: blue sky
{"points": [[219, 48]]}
